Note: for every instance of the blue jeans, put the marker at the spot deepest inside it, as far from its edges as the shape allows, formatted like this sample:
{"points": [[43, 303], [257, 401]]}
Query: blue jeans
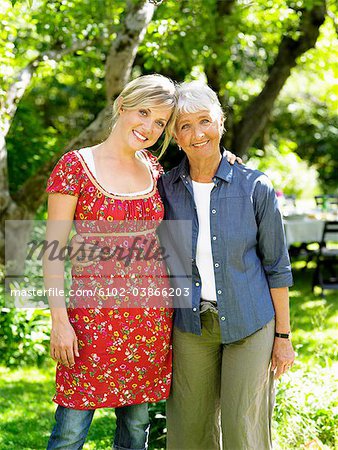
{"points": [[72, 425]]}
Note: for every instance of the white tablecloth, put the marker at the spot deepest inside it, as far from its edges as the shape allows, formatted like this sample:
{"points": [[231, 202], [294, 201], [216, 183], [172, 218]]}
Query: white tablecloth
{"points": [[304, 230]]}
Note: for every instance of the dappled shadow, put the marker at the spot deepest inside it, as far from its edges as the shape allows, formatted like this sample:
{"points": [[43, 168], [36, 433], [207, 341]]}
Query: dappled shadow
{"points": [[308, 308], [27, 416], [313, 321]]}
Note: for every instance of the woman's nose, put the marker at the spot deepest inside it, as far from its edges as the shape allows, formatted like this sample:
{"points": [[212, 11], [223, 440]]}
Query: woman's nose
{"points": [[148, 125], [199, 132]]}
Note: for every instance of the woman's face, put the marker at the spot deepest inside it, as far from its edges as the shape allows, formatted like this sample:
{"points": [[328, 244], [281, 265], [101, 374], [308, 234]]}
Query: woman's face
{"points": [[199, 133], [142, 127]]}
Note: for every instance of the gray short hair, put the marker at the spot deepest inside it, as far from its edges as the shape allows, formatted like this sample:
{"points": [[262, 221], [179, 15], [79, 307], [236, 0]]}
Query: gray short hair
{"points": [[197, 96]]}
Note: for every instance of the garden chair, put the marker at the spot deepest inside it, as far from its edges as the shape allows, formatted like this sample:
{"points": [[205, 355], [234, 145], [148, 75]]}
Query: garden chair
{"points": [[326, 272], [327, 201]]}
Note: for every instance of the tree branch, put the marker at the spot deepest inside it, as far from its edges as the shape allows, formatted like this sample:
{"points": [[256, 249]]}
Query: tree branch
{"points": [[18, 88], [257, 113], [32, 192], [120, 61], [213, 70], [15, 93], [124, 48]]}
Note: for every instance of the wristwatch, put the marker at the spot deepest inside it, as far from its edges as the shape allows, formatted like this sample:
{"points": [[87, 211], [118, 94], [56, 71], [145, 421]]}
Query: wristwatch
{"points": [[283, 335]]}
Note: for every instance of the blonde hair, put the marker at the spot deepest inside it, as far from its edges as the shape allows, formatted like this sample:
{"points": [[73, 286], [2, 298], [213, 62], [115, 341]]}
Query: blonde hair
{"points": [[149, 91], [195, 96]]}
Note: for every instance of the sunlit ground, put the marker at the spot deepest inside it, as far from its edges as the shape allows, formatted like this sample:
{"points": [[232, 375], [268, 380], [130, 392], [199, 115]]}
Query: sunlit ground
{"points": [[307, 398]]}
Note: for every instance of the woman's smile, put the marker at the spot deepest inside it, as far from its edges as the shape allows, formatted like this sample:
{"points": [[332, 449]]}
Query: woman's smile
{"points": [[140, 136], [200, 144]]}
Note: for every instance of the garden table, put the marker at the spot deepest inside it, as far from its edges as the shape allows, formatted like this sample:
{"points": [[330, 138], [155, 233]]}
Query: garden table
{"points": [[304, 229]]}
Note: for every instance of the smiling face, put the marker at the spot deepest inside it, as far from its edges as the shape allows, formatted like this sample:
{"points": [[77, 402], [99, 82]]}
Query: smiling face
{"points": [[199, 133], [143, 127]]}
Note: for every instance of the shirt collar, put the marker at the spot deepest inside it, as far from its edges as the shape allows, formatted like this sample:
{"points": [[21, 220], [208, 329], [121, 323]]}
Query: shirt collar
{"points": [[225, 169], [182, 169]]}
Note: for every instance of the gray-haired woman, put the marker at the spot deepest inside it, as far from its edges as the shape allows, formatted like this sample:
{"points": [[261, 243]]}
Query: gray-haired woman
{"points": [[234, 337]]}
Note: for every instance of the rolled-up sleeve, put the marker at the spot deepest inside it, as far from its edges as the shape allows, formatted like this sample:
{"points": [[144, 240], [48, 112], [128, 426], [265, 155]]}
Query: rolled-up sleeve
{"points": [[271, 239]]}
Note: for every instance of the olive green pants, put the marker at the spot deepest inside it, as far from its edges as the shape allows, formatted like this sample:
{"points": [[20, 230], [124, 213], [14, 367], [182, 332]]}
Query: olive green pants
{"points": [[221, 392]]}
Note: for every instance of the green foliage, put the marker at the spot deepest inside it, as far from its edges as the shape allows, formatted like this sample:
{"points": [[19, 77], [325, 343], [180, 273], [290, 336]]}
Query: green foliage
{"points": [[64, 96], [314, 132], [50, 116], [306, 113], [307, 397], [306, 408], [185, 40], [24, 333], [24, 336], [287, 171]]}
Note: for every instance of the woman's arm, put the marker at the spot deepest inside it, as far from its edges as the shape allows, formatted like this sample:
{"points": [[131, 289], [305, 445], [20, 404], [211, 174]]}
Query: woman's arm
{"points": [[63, 342], [283, 354], [277, 267]]}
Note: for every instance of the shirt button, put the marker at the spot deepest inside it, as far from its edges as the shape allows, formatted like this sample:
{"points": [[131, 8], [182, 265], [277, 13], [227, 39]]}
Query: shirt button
{"points": [[219, 291], [183, 176], [186, 182], [223, 318], [213, 211], [214, 238], [197, 283], [216, 265], [194, 309]]}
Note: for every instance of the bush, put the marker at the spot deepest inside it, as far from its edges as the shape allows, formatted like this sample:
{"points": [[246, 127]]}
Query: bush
{"points": [[288, 172], [24, 334], [306, 410]]}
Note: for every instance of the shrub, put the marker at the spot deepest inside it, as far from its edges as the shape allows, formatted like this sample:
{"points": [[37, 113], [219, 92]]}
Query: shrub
{"points": [[24, 334]]}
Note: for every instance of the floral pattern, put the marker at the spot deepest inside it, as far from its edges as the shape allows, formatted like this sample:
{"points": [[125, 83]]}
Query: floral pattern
{"points": [[124, 341]]}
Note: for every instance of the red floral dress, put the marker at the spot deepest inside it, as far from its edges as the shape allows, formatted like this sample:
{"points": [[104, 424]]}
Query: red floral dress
{"points": [[123, 334]]}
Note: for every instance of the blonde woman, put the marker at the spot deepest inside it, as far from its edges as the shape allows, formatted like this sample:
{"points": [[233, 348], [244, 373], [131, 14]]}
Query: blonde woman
{"points": [[108, 355]]}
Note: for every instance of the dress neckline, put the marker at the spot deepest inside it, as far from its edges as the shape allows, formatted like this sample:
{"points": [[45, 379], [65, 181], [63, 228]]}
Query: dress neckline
{"points": [[132, 196]]}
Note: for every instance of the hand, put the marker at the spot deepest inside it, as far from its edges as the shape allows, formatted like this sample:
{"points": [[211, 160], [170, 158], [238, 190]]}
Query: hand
{"points": [[83, 254], [283, 356], [63, 344], [233, 158]]}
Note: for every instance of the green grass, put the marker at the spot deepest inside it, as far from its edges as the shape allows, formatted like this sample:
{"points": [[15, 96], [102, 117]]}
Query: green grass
{"points": [[27, 412], [307, 397]]}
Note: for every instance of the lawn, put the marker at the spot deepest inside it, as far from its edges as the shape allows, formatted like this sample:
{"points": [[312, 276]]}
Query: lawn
{"points": [[306, 412]]}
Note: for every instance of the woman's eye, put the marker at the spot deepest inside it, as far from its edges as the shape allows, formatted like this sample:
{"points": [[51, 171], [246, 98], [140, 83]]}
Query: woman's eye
{"points": [[143, 112], [185, 126], [160, 124], [205, 121]]}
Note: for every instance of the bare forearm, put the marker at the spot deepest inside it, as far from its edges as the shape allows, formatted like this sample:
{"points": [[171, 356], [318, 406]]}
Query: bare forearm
{"points": [[283, 354], [280, 299], [60, 219], [55, 284]]}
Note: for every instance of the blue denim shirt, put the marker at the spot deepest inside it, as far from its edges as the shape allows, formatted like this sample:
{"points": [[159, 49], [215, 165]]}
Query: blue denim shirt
{"points": [[248, 247]]}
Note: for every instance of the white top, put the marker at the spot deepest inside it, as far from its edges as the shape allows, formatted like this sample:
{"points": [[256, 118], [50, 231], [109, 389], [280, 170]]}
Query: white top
{"points": [[87, 155], [204, 260]]}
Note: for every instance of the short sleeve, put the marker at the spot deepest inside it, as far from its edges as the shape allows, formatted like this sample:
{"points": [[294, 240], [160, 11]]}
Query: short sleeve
{"points": [[156, 167], [67, 175]]}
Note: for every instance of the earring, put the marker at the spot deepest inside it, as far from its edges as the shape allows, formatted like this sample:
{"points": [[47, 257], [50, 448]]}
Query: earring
{"points": [[179, 148]]}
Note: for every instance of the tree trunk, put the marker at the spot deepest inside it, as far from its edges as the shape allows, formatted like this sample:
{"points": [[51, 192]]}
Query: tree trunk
{"points": [[119, 64], [123, 50], [257, 113], [213, 69]]}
